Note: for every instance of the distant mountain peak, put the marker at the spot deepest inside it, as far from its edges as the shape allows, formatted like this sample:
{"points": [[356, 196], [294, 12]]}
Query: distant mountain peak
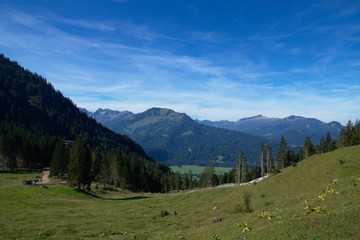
{"points": [[103, 115], [293, 118], [159, 111], [253, 118]]}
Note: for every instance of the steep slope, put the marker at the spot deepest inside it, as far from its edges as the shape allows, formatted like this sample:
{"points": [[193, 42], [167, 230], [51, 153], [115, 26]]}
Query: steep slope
{"points": [[176, 139], [294, 128], [30, 103]]}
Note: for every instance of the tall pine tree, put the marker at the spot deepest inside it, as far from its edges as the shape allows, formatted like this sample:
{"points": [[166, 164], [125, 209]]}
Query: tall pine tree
{"points": [[269, 159], [208, 178], [59, 160], [79, 169], [242, 171], [281, 154], [261, 156], [309, 148], [329, 144]]}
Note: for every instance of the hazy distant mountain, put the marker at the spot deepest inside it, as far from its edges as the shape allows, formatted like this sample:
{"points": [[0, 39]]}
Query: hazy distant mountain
{"points": [[294, 128], [106, 115], [176, 139]]}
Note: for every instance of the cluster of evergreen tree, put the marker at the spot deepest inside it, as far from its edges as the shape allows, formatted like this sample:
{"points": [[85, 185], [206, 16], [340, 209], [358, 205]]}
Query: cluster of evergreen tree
{"points": [[114, 168], [350, 136], [79, 164], [22, 149]]}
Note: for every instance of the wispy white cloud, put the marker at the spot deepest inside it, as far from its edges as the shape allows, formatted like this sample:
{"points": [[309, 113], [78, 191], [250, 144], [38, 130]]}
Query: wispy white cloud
{"points": [[101, 26]]}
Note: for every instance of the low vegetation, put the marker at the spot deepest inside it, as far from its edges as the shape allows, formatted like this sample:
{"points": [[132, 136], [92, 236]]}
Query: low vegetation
{"points": [[317, 199]]}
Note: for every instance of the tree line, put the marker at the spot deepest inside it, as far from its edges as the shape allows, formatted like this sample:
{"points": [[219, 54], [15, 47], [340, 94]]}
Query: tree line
{"points": [[285, 157], [350, 136]]}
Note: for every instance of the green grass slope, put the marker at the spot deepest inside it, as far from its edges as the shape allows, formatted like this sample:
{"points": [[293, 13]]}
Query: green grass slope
{"points": [[301, 202]]}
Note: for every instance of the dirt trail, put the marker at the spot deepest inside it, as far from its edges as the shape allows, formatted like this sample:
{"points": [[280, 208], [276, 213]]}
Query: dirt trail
{"points": [[222, 186], [45, 179]]}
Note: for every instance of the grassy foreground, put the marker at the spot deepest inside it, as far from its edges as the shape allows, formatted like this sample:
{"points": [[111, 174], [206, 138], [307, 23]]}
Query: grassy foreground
{"points": [[301, 202]]}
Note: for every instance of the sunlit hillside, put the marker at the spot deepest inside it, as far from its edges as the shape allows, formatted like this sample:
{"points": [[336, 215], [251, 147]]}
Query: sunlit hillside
{"points": [[317, 199]]}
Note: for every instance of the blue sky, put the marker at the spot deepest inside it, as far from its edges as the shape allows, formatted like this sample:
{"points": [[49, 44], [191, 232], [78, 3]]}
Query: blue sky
{"points": [[210, 59]]}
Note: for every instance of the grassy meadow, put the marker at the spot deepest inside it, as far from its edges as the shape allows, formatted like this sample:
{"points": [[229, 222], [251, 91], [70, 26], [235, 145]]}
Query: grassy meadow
{"points": [[198, 170], [7, 178], [301, 202]]}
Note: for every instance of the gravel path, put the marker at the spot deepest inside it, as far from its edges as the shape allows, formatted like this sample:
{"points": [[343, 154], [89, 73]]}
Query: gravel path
{"points": [[45, 179]]}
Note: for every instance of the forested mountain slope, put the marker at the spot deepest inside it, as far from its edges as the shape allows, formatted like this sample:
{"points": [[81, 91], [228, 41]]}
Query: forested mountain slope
{"points": [[176, 139], [30, 103]]}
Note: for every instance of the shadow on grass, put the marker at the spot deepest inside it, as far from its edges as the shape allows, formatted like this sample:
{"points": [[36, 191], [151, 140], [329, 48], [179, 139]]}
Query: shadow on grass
{"points": [[129, 198], [110, 199], [22, 171]]}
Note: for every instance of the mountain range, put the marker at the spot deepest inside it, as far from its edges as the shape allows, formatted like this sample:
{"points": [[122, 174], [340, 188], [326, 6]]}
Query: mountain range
{"points": [[294, 128], [176, 139]]}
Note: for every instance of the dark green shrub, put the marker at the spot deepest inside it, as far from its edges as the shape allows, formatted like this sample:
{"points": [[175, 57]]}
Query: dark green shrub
{"points": [[245, 207], [164, 213]]}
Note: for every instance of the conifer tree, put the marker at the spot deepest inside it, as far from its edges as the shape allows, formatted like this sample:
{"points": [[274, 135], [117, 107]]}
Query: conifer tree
{"points": [[177, 180], [244, 170], [104, 171], [114, 169], [261, 156], [356, 130], [2, 150], [308, 148], [329, 144], [269, 159], [208, 178], [239, 167], [58, 160], [281, 154], [320, 148], [79, 169], [291, 157], [190, 180], [349, 134]]}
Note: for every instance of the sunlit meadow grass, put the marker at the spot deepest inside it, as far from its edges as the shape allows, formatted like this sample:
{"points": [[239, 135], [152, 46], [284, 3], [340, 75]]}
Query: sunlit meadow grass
{"points": [[7, 178], [287, 197]]}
